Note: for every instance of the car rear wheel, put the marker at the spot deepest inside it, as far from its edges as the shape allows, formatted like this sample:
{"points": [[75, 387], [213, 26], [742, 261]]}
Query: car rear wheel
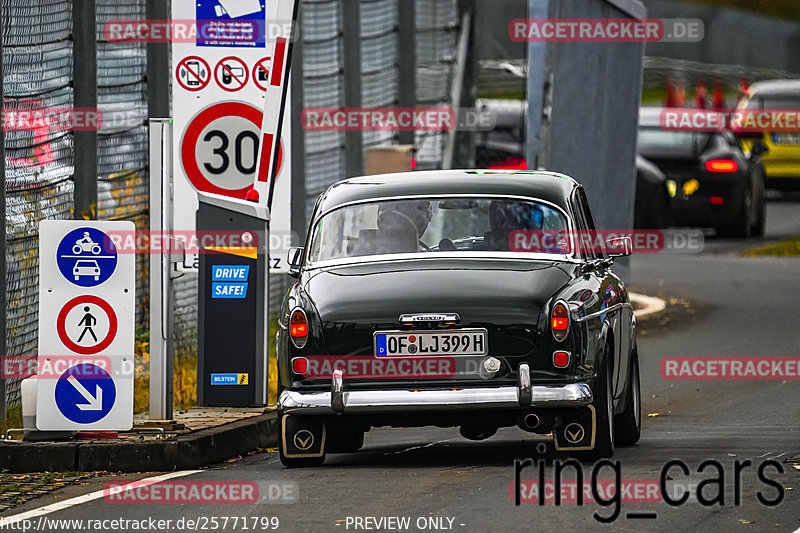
{"points": [[604, 415], [742, 223], [761, 213], [660, 214], [628, 425]]}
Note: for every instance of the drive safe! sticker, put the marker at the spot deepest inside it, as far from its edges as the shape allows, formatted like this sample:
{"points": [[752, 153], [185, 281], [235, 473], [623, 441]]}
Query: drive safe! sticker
{"points": [[229, 281]]}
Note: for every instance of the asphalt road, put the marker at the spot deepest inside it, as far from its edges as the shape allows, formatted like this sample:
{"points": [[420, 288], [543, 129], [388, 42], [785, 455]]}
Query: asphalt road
{"points": [[722, 305]]}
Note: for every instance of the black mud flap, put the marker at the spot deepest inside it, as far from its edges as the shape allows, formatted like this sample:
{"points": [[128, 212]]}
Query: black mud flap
{"points": [[302, 436], [578, 431]]}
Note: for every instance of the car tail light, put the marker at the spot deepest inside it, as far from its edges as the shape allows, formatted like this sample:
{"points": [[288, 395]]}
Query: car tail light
{"points": [[722, 165], [299, 365], [560, 359], [559, 321], [717, 200], [298, 328]]}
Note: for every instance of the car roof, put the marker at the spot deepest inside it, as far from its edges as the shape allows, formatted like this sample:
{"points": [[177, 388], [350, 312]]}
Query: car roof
{"points": [[776, 88], [548, 186]]}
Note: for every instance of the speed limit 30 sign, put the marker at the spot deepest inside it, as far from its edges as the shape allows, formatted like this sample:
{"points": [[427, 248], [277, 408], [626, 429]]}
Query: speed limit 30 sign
{"points": [[220, 146]]}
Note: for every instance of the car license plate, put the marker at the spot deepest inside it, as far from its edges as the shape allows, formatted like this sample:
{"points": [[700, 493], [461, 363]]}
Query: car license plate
{"points": [[416, 343], [786, 138]]}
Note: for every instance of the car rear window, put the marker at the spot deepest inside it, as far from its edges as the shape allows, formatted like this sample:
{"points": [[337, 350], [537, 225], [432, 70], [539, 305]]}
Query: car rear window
{"points": [[654, 139], [433, 225], [787, 102]]}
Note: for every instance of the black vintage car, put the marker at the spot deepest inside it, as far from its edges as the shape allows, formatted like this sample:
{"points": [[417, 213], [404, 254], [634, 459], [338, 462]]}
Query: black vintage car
{"points": [[421, 300]]}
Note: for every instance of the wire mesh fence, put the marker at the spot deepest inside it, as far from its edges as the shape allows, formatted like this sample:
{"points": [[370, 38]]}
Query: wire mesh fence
{"points": [[122, 142], [37, 72]]}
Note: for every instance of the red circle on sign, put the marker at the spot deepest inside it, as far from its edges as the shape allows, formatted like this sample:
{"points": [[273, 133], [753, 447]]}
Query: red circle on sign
{"points": [[62, 320], [191, 75], [259, 67], [192, 135], [234, 77]]}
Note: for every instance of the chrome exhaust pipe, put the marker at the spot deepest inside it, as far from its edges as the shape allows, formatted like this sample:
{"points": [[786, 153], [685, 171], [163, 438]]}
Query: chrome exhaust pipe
{"points": [[542, 422], [532, 421]]}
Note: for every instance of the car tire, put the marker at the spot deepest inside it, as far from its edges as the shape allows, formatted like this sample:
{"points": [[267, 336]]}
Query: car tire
{"points": [[660, 214], [743, 221], [628, 424], [342, 438], [761, 213], [604, 415]]}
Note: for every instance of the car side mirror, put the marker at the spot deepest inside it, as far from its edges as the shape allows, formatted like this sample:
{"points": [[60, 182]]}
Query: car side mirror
{"points": [[619, 247], [758, 149], [295, 260]]}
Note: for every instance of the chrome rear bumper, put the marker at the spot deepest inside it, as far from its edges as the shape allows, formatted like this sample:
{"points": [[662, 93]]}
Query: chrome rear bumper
{"points": [[339, 400]]}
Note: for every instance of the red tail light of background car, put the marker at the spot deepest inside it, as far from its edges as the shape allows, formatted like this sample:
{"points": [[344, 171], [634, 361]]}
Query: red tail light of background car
{"points": [[722, 165]]}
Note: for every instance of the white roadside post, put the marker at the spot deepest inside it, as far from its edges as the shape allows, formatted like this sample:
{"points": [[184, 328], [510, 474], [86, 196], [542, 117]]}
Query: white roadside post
{"points": [[162, 272]]}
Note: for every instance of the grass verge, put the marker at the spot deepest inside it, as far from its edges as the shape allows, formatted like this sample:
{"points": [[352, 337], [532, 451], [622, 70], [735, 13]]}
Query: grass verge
{"points": [[788, 248]]}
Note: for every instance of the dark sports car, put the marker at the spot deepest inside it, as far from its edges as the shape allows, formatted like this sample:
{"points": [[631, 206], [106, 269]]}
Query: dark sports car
{"points": [[715, 184], [438, 298]]}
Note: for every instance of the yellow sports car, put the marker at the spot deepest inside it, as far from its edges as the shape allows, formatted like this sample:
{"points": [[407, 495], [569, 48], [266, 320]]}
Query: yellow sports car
{"points": [[782, 161]]}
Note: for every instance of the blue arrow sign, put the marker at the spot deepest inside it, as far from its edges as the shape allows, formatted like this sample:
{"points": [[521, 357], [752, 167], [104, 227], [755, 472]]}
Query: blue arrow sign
{"points": [[85, 393], [87, 257]]}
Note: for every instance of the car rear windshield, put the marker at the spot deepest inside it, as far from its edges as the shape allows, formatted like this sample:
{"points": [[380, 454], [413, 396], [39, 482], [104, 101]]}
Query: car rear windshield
{"points": [[433, 225], [654, 139], [782, 102]]}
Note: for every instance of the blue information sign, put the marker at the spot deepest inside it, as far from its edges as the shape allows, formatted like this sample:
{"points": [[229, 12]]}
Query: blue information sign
{"points": [[231, 23]]}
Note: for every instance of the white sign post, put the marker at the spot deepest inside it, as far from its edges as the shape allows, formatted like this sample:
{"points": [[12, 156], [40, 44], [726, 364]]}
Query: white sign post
{"points": [[86, 326], [221, 80]]}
